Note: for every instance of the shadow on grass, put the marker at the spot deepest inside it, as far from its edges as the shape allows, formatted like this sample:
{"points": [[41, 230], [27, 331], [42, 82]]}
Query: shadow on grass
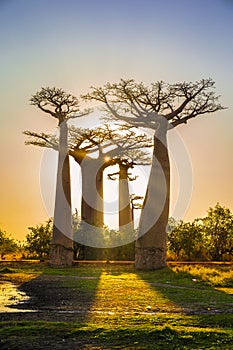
{"points": [[163, 309], [187, 290], [57, 292], [182, 312]]}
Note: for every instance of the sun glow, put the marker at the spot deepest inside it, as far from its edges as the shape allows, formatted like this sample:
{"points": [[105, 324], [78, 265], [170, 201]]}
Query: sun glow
{"points": [[107, 159]]}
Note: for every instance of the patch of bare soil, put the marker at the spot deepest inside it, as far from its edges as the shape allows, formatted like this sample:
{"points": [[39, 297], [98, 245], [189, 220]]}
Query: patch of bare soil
{"points": [[51, 300]]}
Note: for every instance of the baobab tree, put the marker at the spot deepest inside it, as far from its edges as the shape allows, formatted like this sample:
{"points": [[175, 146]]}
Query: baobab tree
{"points": [[126, 201], [122, 146], [125, 212], [136, 203], [135, 144], [159, 107], [95, 150], [81, 143], [62, 107]]}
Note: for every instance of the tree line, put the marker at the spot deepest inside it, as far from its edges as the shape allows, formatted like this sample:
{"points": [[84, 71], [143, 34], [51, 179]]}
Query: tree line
{"points": [[204, 239]]}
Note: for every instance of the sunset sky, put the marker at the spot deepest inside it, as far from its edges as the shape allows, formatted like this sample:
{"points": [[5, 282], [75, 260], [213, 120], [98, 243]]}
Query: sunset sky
{"points": [[74, 44]]}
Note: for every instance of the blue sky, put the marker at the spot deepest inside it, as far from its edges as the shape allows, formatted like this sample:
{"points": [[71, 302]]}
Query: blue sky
{"points": [[76, 44], [153, 39]]}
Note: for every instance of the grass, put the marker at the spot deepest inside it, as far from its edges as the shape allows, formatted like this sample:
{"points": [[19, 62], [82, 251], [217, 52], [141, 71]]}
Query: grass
{"points": [[179, 307]]}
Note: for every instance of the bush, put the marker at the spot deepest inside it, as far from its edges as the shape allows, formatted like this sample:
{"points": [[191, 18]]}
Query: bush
{"points": [[7, 244], [105, 238]]}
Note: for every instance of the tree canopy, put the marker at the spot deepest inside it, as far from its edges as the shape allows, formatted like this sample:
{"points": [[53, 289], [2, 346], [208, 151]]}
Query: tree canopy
{"points": [[58, 104], [7, 244], [141, 105]]}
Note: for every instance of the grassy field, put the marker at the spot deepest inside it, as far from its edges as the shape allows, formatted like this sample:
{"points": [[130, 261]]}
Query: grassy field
{"points": [[115, 307]]}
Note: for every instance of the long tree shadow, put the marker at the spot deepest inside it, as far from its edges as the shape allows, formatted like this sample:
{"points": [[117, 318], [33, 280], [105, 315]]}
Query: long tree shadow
{"points": [[191, 294], [58, 296], [164, 309], [123, 308]]}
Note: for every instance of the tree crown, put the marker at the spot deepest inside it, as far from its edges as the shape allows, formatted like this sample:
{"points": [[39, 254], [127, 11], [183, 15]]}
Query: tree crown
{"points": [[58, 103], [142, 106], [116, 144]]}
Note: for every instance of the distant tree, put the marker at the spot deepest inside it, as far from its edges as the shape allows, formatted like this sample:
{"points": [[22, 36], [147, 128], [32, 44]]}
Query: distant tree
{"points": [[7, 244], [62, 107], [38, 240], [217, 228], [185, 240], [125, 211], [159, 107], [111, 145], [136, 203], [127, 203]]}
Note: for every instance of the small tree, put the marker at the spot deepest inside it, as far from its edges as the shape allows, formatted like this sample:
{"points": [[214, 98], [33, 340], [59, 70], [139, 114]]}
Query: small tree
{"points": [[38, 240], [185, 240], [217, 229], [7, 244]]}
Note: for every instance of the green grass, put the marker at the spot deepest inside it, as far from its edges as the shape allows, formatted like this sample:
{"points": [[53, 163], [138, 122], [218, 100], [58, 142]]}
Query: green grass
{"points": [[141, 336], [179, 307]]}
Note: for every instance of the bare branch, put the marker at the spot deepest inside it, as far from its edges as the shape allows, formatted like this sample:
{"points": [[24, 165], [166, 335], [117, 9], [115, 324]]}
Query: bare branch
{"points": [[142, 106], [58, 103], [41, 140]]}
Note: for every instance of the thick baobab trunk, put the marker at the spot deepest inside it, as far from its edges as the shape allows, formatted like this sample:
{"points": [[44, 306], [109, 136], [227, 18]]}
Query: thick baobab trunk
{"points": [[150, 248], [92, 207], [125, 212], [61, 252]]}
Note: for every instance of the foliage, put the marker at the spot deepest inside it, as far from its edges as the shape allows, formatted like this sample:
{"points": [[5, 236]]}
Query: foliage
{"points": [[186, 241], [38, 240], [218, 232], [124, 252], [107, 245], [209, 238], [57, 103], [7, 244]]}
